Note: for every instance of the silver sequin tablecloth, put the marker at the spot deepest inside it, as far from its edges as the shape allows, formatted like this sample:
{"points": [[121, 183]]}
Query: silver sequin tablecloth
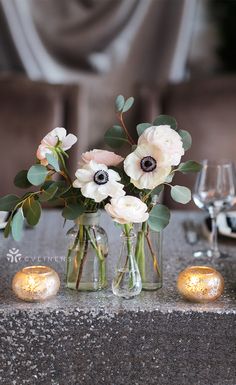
{"points": [[98, 339]]}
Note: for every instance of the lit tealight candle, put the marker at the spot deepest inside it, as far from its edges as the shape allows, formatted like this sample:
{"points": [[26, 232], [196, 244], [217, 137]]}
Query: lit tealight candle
{"points": [[36, 283], [200, 284]]}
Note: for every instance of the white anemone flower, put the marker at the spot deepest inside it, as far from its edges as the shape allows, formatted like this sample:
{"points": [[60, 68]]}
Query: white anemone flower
{"points": [[98, 182], [57, 137], [127, 209], [147, 167], [167, 140]]}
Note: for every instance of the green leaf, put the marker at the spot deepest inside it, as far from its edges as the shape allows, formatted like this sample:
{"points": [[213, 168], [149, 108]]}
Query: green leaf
{"points": [[48, 193], [189, 166], [119, 103], [186, 139], [62, 187], [165, 120], [8, 202], [72, 211], [53, 161], [180, 194], [17, 225], [37, 174], [115, 136], [157, 190], [8, 227], [169, 178], [21, 180], [128, 104], [159, 217], [32, 211], [142, 127]]}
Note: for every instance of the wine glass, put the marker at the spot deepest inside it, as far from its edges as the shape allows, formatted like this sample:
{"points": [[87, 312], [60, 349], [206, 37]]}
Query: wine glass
{"points": [[215, 191]]}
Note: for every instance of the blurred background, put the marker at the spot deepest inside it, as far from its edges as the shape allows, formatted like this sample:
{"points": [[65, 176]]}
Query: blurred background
{"points": [[62, 62]]}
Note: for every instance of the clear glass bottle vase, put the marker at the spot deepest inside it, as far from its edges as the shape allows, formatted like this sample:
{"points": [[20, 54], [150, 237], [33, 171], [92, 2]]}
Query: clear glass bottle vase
{"points": [[148, 254], [127, 280], [87, 252]]}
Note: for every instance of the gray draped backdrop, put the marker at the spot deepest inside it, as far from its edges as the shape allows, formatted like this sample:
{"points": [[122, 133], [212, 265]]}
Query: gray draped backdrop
{"points": [[107, 45]]}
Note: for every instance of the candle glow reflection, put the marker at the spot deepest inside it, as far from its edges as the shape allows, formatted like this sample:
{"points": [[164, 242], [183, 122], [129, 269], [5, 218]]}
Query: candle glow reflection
{"points": [[35, 283]]}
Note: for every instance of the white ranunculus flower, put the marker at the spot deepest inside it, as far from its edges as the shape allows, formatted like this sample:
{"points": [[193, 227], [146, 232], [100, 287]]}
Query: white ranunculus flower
{"points": [[127, 209], [98, 182], [165, 138], [147, 167], [57, 137]]}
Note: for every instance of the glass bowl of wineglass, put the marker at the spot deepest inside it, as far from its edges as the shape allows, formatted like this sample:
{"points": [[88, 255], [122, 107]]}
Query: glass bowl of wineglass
{"points": [[214, 192]]}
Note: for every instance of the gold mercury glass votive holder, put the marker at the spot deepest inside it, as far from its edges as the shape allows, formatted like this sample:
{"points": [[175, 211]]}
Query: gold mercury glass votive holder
{"points": [[200, 284], [36, 283]]}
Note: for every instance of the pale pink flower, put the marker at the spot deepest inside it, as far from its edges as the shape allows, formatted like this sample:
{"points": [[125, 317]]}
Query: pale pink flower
{"points": [[57, 137], [108, 158], [127, 209]]}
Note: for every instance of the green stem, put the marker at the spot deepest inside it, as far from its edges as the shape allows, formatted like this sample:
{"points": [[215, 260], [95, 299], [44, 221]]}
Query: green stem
{"points": [[83, 256], [100, 255], [153, 254], [128, 228], [130, 139], [140, 251], [71, 274]]}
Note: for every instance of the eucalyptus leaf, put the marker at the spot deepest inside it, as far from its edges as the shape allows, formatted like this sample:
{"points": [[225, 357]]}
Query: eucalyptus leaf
{"points": [[63, 189], [186, 139], [189, 166], [32, 211], [72, 211], [21, 180], [169, 178], [159, 217], [142, 127], [49, 193], [157, 190], [119, 103], [8, 202], [37, 174], [180, 194], [7, 229], [115, 136], [128, 104], [17, 225], [165, 120], [53, 161]]}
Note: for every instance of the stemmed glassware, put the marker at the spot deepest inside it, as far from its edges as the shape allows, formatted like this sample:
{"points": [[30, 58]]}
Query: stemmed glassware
{"points": [[215, 191]]}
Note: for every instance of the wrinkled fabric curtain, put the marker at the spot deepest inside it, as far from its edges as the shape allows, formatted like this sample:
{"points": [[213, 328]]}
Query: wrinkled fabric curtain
{"points": [[108, 46], [63, 40], [86, 34]]}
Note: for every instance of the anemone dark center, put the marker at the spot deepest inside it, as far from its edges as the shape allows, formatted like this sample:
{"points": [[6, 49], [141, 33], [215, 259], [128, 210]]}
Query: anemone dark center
{"points": [[148, 164], [101, 177]]}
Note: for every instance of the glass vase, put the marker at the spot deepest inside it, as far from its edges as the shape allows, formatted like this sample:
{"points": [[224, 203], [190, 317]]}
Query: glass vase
{"points": [[148, 254], [127, 280], [87, 252]]}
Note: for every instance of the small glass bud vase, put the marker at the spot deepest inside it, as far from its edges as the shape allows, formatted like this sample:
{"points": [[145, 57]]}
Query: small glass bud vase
{"points": [[148, 254], [127, 280], [87, 252]]}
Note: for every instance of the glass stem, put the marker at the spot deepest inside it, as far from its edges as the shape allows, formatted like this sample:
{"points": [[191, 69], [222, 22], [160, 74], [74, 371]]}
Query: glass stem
{"points": [[214, 241]]}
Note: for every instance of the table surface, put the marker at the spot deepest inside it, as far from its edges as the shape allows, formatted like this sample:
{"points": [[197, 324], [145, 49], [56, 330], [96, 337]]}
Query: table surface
{"points": [[46, 244]]}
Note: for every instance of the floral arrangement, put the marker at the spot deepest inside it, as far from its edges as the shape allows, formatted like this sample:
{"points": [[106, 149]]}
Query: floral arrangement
{"points": [[127, 188]]}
